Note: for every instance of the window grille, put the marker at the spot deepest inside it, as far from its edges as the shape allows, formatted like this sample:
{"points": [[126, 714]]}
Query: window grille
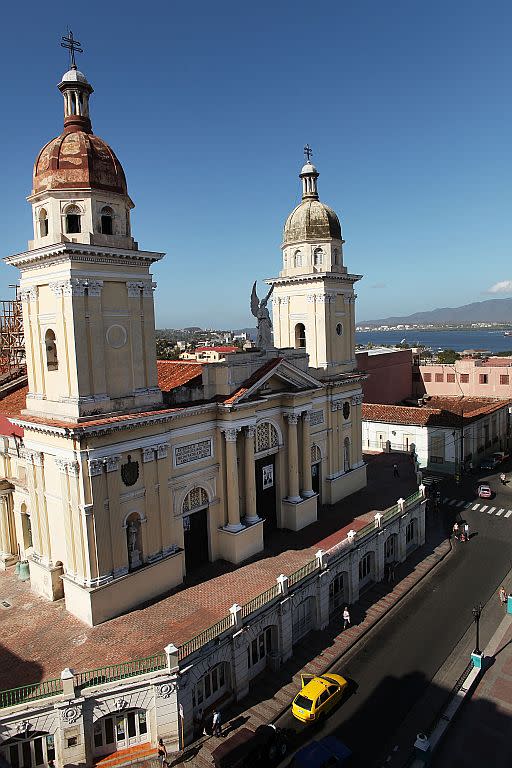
{"points": [[197, 497], [266, 437]]}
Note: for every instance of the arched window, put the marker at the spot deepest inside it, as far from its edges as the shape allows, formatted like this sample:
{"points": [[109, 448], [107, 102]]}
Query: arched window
{"points": [[346, 454], [52, 362], [266, 437], [73, 219], [316, 454], [195, 499], [318, 257], [43, 223], [297, 259], [107, 218], [336, 256], [300, 336]]}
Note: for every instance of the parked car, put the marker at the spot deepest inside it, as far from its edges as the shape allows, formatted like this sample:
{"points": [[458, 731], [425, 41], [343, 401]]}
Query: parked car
{"points": [[484, 491], [491, 462], [318, 696], [500, 456], [267, 745], [329, 752]]}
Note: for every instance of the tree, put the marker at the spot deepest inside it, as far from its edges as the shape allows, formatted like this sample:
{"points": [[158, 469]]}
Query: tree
{"points": [[448, 356]]}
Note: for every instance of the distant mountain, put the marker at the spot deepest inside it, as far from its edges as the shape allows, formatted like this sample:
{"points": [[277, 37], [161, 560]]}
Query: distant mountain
{"points": [[490, 311]]}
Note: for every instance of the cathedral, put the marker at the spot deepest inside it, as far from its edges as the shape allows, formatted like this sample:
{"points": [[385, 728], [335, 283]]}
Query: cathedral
{"points": [[121, 474]]}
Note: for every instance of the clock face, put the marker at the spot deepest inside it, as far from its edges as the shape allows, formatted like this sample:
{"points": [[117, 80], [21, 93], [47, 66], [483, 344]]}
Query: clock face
{"points": [[346, 409]]}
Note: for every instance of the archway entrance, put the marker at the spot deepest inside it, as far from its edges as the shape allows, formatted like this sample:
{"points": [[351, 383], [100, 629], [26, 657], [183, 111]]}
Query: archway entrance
{"points": [[266, 506], [195, 529], [28, 752], [119, 731]]}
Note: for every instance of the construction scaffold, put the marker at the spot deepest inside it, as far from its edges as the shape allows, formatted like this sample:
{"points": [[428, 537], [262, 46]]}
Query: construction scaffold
{"points": [[12, 340]]}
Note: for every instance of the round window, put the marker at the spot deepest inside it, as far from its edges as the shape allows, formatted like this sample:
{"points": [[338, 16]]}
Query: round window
{"points": [[346, 409], [339, 329]]}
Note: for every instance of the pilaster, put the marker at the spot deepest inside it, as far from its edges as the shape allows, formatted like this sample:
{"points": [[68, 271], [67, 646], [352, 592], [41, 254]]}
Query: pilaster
{"points": [[232, 490], [293, 458], [251, 515]]}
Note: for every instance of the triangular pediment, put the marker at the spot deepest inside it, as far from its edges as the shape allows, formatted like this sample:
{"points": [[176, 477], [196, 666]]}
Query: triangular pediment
{"points": [[279, 376]]}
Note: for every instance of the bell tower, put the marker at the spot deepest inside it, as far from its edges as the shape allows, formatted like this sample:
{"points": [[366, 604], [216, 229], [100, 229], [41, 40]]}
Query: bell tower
{"points": [[313, 297], [86, 288]]}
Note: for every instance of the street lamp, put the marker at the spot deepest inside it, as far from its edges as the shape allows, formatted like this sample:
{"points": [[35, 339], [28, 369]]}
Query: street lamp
{"points": [[477, 612]]}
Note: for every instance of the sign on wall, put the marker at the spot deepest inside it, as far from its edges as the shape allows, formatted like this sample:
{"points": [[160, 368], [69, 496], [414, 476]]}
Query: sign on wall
{"points": [[184, 454], [268, 476]]}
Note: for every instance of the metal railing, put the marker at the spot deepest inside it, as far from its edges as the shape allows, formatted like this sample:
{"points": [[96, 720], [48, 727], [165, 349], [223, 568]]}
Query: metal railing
{"points": [[258, 602], [33, 692], [205, 637], [306, 570], [120, 671]]}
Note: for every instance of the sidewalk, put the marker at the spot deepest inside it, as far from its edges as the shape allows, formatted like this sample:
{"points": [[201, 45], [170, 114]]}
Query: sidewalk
{"points": [[270, 695], [481, 733]]}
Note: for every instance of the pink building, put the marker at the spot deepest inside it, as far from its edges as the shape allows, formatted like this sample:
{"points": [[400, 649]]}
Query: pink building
{"points": [[489, 377], [390, 374]]}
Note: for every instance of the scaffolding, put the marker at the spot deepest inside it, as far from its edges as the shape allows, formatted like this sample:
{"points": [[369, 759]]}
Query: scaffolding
{"points": [[12, 340]]}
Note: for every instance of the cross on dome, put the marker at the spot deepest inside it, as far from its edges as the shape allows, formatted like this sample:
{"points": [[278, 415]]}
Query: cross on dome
{"points": [[308, 152], [72, 45]]}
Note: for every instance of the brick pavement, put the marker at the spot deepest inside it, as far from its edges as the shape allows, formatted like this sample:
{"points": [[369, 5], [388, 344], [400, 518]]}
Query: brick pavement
{"points": [[40, 639]]}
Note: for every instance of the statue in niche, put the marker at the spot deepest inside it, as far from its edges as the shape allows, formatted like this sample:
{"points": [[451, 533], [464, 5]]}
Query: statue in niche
{"points": [[133, 532], [261, 313]]}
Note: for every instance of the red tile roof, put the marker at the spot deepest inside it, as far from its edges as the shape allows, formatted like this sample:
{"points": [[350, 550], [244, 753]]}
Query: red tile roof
{"points": [[252, 380], [224, 350], [440, 411], [175, 373]]}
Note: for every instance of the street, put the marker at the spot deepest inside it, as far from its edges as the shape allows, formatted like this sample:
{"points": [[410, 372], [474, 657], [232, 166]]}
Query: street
{"points": [[394, 665]]}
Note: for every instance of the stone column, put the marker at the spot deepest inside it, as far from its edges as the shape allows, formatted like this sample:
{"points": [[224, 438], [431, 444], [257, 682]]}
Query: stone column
{"points": [[7, 545], [164, 500], [306, 457], [153, 527], [232, 494], [251, 515], [46, 551], [69, 534], [293, 458], [100, 520], [117, 531]]}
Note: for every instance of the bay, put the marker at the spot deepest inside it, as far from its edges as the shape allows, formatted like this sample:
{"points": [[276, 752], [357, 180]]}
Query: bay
{"points": [[459, 340]]}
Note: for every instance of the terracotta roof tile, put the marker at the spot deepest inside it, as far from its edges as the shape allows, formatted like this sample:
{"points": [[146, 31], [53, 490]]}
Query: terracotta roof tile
{"points": [[440, 411], [176, 373], [252, 380]]}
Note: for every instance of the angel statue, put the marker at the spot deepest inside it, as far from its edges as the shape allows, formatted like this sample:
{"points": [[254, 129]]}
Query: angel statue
{"points": [[261, 313]]}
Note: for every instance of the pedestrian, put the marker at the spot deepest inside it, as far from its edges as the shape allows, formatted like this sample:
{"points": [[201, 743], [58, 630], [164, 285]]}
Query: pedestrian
{"points": [[466, 531], [503, 596], [396, 473], [346, 618], [503, 478], [455, 530], [162, 752], [217, 723]]}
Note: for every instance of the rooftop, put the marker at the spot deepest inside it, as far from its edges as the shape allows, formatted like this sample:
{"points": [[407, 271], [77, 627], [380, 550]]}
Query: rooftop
{"points": [[440, 411], [29, 652]]}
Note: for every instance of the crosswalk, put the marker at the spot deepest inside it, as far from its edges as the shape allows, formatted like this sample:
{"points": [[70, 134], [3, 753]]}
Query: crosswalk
{"points": [[481, 507]]}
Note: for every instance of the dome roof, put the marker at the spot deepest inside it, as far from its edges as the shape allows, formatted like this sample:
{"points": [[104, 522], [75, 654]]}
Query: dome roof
{"points": [[78, 160], [308, 168], [74, 76], [311, 220]]}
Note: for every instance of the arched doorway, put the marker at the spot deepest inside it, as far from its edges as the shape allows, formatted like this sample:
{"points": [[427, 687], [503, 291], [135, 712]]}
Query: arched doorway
{"points": [[195, 528], [338, 592], [303, 619], [260, 649], [29, 751], [120, 730], [266, 446], [316, 466]]}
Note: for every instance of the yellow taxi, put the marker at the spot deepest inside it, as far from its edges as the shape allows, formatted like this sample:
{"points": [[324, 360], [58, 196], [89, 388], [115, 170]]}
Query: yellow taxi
{"points": [[318, 696]]}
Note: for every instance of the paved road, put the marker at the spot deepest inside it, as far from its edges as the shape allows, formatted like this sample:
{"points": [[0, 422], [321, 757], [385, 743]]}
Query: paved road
{"points": [[394, 666]]}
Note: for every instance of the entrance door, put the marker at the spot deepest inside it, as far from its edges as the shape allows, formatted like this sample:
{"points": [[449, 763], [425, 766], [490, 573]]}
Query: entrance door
{"points": [[315, 477], [115, 732], [266, 490], [195, 535]]}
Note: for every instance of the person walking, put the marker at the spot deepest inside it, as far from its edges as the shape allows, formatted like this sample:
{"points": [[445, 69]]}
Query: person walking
{"points": [[503, 596], [346, 618], [455, 531], [217, 723], [162, 752], [503, 478], [396, 473], [466, 531]]}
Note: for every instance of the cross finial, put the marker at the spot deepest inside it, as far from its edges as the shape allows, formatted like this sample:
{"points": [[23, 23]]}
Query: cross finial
{"points": [[73, 46], [308, 152]]}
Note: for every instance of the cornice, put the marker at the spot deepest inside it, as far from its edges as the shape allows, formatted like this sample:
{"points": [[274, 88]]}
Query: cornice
{"points": [[319, 277], [59, 252]]}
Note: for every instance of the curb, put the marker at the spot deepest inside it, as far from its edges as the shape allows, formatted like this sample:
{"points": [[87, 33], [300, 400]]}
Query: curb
{"points": [[448, 549]]}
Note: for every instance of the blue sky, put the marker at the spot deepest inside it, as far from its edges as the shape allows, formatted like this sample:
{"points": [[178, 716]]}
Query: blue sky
{"points": [[208, 106]]}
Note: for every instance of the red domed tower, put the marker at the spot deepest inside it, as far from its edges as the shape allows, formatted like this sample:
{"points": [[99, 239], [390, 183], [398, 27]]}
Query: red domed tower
{"points": [[86, 288], [79, 188]]}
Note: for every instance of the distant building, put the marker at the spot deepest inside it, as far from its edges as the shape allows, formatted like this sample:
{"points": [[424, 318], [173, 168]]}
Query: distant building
{"points": [[446, 434], [389, 374], [209, 354], [488, 377]]}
